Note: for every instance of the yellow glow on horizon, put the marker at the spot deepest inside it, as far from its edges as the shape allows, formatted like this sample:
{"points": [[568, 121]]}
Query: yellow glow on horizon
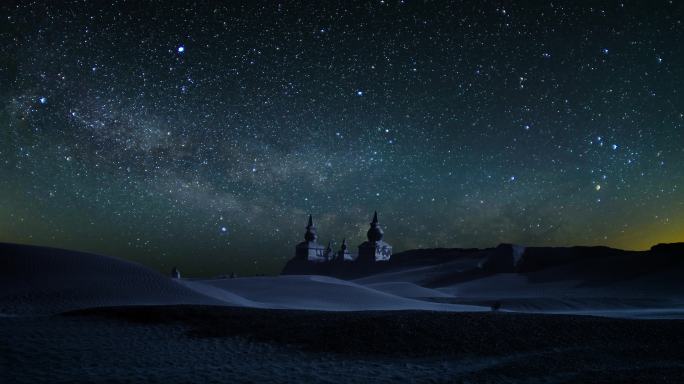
{"points": [[645, 237]]}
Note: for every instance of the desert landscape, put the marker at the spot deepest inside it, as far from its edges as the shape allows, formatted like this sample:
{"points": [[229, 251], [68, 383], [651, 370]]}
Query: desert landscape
{"points": [[444, 316], [385, 191]]}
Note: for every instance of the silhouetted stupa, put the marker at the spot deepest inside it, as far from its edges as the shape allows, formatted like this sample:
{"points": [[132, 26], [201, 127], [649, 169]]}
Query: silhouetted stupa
{"points": [[309, 249], [343, 254], [375, 249]]}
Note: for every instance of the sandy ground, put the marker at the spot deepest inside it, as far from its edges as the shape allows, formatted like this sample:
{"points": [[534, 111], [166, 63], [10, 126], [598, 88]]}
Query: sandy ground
{"points": [[180, 344], [137, 325], [45, 281]]}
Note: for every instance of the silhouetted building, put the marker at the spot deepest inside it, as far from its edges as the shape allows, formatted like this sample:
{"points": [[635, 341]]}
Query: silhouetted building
{"points": [[329, 254], [343, 254], [309, 249], [375, 249]]}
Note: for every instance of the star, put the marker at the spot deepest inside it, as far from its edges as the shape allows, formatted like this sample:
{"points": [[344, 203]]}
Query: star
{"points": [[337, 111]]}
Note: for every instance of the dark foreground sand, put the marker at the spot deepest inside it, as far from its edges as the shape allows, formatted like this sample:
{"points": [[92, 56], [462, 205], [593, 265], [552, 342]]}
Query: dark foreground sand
{"points": [[219, 344]]}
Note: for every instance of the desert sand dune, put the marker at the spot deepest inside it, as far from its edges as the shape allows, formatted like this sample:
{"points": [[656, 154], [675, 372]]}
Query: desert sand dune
{"points": [[37, 280], [323, 293]]}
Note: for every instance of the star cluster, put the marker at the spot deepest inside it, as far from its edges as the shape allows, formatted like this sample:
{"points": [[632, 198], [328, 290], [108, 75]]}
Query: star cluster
{"points": [[202, 134]]}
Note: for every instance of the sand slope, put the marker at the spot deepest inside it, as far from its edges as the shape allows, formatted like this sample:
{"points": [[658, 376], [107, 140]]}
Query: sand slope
{"points": [[39, 281], [603, 282], [36, 281], [321, 293], [410, 290]]}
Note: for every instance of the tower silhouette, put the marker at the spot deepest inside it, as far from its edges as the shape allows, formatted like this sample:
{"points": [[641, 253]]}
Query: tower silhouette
{"points": [[309, 249], [375, 249]]}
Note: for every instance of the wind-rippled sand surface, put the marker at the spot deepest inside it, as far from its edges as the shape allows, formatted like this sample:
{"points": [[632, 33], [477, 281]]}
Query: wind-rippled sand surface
{"points": [[220, 344]]}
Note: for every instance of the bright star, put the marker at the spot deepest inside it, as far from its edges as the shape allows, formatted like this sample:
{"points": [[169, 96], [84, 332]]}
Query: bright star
{"points": [[181, 49]]}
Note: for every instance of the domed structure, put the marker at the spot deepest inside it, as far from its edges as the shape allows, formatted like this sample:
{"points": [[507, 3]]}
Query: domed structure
{"points": [[309, 249], [375, 249]]}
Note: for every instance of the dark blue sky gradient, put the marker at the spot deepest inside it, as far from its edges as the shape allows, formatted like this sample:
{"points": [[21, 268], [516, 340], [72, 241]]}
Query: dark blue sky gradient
{"points": [[202, 135]]}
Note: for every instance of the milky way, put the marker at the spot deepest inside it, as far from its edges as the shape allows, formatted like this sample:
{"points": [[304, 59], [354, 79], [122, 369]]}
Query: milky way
{"points": [[202, 135]]}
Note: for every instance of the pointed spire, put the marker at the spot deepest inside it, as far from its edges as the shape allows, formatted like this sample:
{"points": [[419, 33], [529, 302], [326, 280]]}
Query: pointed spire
{"points": [[342, 254], [310, 234], [329, 254], [375, 232]]}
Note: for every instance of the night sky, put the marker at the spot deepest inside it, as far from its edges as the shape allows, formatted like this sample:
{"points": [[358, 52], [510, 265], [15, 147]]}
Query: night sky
{"points": [[202, 135]]}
